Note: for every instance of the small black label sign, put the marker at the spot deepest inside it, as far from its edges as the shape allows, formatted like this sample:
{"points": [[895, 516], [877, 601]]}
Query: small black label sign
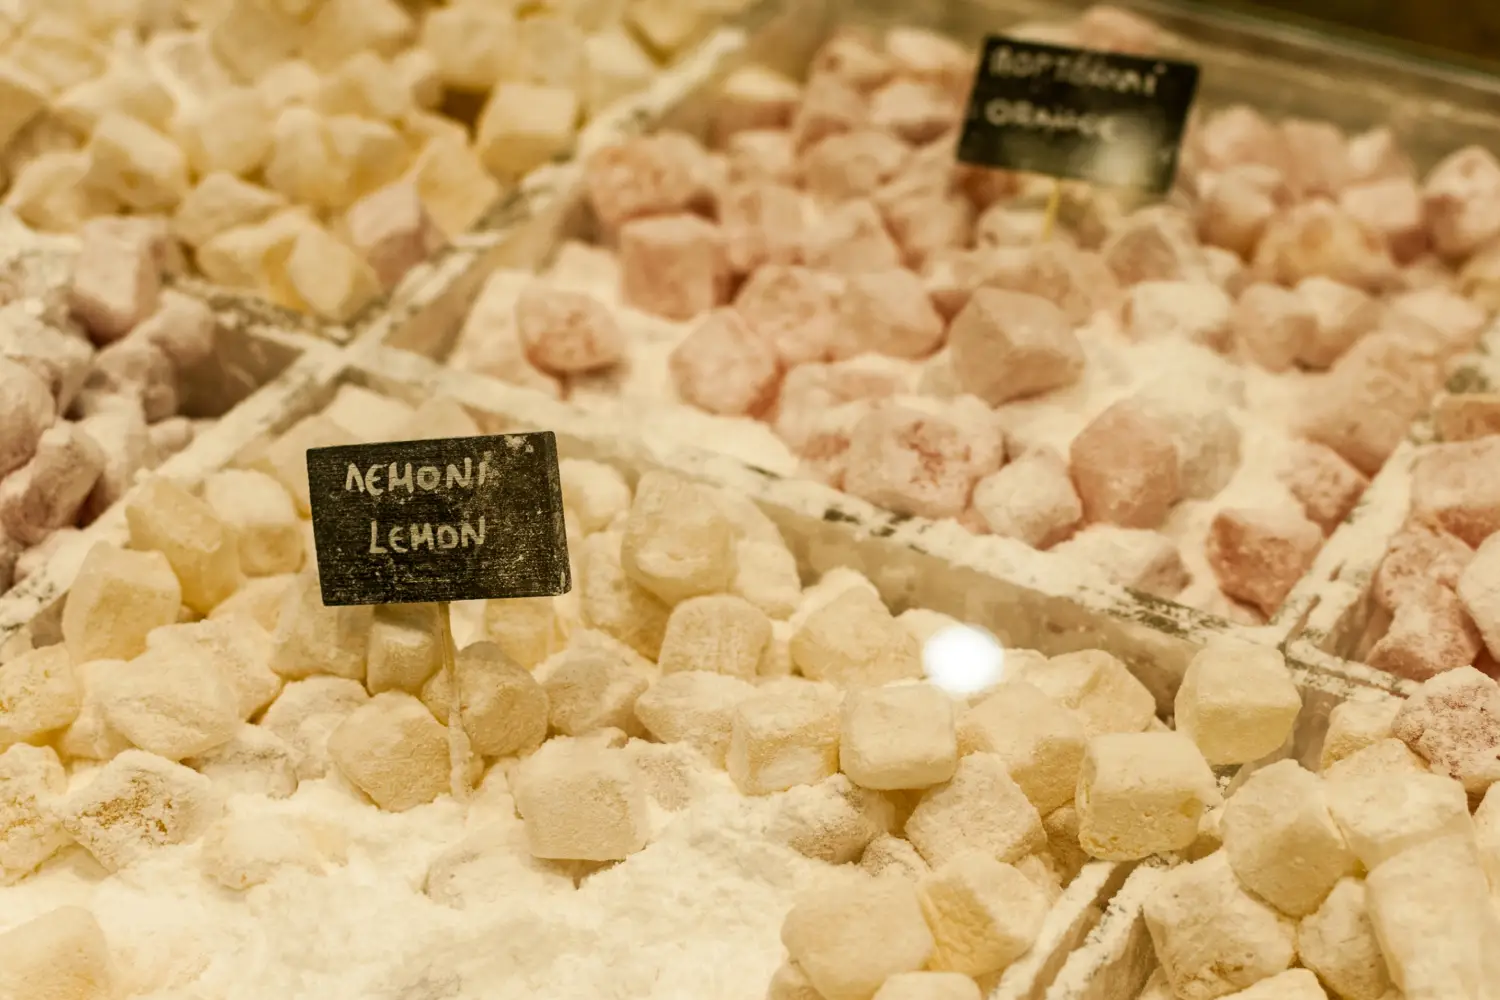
{"points": [[1108, 119], [452, 519]]}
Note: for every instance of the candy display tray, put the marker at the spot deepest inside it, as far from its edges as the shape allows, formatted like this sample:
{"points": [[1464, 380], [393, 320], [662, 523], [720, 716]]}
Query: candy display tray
{"points": [[1007, 590], [1283, 71]]}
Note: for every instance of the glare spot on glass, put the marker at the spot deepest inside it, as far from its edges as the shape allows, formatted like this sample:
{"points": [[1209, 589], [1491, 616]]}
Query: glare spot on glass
{"points": [[963, 660]]}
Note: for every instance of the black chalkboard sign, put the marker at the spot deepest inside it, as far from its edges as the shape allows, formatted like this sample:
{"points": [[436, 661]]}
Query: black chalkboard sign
{"points": [[451, 519], [1109, 119]]}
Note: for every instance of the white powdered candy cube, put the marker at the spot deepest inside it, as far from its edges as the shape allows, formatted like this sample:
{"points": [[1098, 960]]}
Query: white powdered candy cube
{"points": [[851, 936], [240, 852], [890, 855], [716, 632], [677, 542], [1384, 814], [582, 802], [1354, 725], [171, 701], [1388, 756], [1140, 794], [1237, 702], [118, 597], [981, 809], [32, 781], [1293, 984], [1280, 840], [1041, 742], [115, 282], [61, 954], [984, 914], [260, 600], [1435, 922], [789, 982], [852, 640], [504, 709], [393, 750], [898, 737], [591, 689], [832, 821], [405, 650], [1098, 687], [777, 741], [311, 638], [1211, 936], [696, 708], [203, 551], [1338, 943], [255, 762], [260, 514], [38, 693], [239, 648], [137, 802]]}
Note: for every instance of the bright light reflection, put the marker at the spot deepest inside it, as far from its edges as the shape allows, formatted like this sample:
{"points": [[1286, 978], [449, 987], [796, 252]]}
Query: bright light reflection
{"points": [[963, 660]]}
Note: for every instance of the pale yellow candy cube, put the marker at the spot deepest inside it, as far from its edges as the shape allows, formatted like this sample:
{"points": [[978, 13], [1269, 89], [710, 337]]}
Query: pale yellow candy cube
{"points": [[255, 762], [766, 575], [368, 416], [582, 803], [592, 689], [1487, 836], [677, 542], [1293, 984], [716, 632], [38, 693], [504, 709], [259, 512], [1061, 826], [1387, 756], [981, 809], [898, 737], [1281, 841], [854, 933], [238, 647], [1338, 943], [286, 459], [1237, 702], [928, 986], [789, 982], [595, 492], [62, 953], [1382, 815], [529, 629], [1140, 794], [695, 708], [32, 782], [1436, 923], [777, 741], [614, 603], [202, 549], [1097, 686], [243, 851], [1354, 725], [1041, 742], [1210, 935], [523, 125], [259, 600], [984, 914], [307, 712], [312, 638], [405, 648], [393, 750], [853, 640], [117, 598]]}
